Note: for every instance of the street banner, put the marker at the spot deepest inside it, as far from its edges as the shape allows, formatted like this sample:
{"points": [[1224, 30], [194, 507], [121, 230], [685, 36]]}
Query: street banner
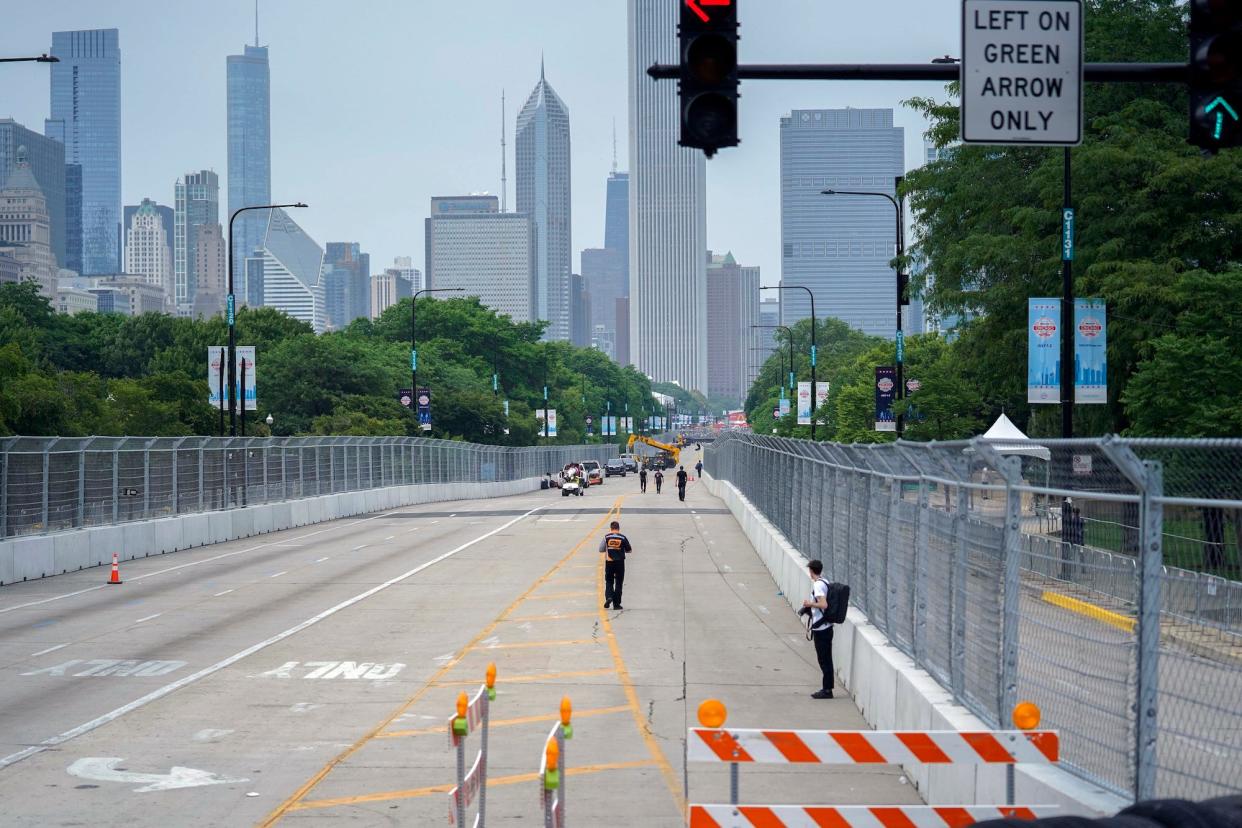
{"points": [[885, 392], [217, 355], [610, 426], [1090, 352], [783, 411], [548, 414], [590, 425], [821, 394], [804, 403], [627, 425], [1043, 354], [424, 408], [405, 396]]}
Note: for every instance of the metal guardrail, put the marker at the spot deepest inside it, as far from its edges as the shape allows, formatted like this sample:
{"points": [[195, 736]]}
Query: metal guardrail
{"points": [[947, 551], [50, 484]]}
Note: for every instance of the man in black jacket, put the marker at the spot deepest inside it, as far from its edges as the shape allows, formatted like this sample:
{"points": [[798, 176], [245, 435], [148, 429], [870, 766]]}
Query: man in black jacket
{"points": [[614, 547], [681, 482]]}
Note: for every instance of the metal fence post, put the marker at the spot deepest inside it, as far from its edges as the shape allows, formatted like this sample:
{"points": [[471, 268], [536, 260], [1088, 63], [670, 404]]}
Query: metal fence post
{"points": [[865, 545], [47, 461], [4, 489], [1012, 469], [920, 573], [176, 452], [116, 482], [957, 593], [202, 460], [81, 489], [146, 478], [890, 585], [331, 468]]}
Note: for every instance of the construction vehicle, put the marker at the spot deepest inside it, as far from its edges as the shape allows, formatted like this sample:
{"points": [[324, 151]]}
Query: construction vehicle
{"points": [[672, 451]]}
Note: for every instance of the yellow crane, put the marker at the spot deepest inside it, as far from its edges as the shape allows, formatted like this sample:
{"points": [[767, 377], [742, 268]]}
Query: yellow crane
{"points": [[655, 444]]}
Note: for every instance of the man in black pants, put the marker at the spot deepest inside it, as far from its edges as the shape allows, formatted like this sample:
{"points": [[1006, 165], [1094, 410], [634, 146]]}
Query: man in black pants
{"points": [[821, 629], [642, 478], [681, 482], [614, 546]]}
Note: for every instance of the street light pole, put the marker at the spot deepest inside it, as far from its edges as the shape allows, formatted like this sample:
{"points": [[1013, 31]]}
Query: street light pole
{"points": [[230, 312], [901, 343], [414, 341], [789, 332], [814, 385]]}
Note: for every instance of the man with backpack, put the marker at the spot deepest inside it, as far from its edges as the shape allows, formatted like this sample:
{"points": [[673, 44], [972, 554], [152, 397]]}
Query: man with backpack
{"points": [[823, 613]]}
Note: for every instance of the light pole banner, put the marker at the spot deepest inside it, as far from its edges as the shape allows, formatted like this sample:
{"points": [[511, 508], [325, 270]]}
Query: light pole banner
{"points": [[804, 403], [821, 394], [1090, 352], [550, 415], [217, 355], [246, 353], [1043, 354], [424, 408], [885, 392], [783, 411]]}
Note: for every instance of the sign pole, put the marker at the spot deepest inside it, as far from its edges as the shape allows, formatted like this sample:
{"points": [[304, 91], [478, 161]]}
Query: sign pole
{"points": [[1067, 306]]}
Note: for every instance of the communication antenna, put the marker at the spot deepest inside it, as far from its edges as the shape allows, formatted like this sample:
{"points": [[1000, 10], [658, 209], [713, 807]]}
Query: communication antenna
{"points": [[614, 146], [504, 181], [256, 24]]}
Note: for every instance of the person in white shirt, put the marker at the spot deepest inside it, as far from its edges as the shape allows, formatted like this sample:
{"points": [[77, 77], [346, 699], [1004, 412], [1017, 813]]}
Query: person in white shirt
{"points": [[821, 629]]}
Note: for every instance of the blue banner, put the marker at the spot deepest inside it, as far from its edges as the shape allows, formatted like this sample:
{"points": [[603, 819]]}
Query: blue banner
{"points": [[1043, 356], [424, 408], [885, 392], [1090, 352]]}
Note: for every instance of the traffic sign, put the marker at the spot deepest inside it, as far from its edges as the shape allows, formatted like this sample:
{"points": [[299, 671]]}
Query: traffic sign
{"points": [[1022, 72], [1067, 234]]}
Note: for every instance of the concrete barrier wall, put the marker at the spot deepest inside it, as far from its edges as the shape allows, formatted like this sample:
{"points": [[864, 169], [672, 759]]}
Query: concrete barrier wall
{"points": [[42, 556], [893, 693]]}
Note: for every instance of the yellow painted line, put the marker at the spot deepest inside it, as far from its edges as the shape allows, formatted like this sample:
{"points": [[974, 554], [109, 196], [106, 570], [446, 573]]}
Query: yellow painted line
{"points": [[550, 717], [559, 595], [560, 617], [1089, 610], [604, 671], [671, 779], [414, 793], [530, 645], [300, 794]]}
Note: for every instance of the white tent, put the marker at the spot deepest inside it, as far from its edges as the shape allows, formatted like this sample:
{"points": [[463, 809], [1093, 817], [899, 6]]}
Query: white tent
{"points": [[1007, 438]]}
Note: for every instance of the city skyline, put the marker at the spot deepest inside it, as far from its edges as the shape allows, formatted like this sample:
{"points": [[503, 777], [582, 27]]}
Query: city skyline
{"points": [[162, 110]]}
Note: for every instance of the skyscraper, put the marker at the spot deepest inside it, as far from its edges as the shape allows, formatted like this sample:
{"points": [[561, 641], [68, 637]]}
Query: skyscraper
{"points": [[209, 271], [86, 118], [603, 270], [404, 266], [287, 270], [249, 145], [668, 222], [25, 226], [196, 202], [389, 288], [490, 254], [733, 306], [580, 315], [346, 283], [147, 252], [840, 246], [543, 193], [617, 217], [167, 220], [46, 157]]}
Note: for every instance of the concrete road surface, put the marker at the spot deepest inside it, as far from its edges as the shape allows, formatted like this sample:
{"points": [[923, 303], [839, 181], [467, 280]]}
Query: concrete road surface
{"points": [[307, 676]]}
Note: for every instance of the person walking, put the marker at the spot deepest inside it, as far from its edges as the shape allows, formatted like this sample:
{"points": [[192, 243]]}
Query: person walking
{"points": [[659, 479], [681, 483], [820, 628], [642, 478], [698, 470], [614, 546]]}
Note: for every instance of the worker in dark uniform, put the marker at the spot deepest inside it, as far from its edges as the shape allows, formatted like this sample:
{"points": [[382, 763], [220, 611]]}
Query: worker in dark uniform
{"points": [[681, 482], [614, 546], [642, 477]]}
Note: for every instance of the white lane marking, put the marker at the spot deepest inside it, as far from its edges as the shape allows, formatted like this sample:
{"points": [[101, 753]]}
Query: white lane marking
{"points": [[210, 735], [356, 548], [184, 565], [321, 560], [390, 537], [278, 574], [415, 529], [172, 687], [148, 618], [103, 769], [453, 515], [226, 592], [48, 650]]}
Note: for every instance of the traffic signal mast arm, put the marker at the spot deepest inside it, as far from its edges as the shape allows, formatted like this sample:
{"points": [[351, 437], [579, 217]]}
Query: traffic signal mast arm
{"points": [[1094, 72]]}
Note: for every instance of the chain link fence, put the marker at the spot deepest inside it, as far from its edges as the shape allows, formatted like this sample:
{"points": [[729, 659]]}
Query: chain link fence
{"points": [[57, 484], [1097, 578]]}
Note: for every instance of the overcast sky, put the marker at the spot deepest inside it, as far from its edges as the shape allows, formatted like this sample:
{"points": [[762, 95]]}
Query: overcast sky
{"points": [[377, 105]]}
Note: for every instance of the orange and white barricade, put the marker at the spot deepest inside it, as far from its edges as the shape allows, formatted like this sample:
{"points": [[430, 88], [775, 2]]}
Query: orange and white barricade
{"points": [[715, 743], [472, 715], [552, 769]]}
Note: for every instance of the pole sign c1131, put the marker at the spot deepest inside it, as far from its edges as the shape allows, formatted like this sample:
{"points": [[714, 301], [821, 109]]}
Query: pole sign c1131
{"points": [[885, 393], [1090, 352], [1043, 353], [1022, 72]]}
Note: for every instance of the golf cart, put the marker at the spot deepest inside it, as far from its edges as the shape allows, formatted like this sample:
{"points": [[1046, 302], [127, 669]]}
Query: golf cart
{"points": [[573, 480]]}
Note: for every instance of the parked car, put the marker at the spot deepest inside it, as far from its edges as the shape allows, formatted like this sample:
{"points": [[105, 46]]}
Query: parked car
{"points": [[594, 474], [630, 461], [615, 467]]}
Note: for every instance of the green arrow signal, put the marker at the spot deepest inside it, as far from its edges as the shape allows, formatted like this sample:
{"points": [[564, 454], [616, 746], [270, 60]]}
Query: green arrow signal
{"points": [[1220, 116]]}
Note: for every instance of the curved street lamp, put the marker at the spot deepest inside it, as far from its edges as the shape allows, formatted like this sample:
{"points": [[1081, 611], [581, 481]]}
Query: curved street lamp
{"points": [[413, 331], [814, 385]]}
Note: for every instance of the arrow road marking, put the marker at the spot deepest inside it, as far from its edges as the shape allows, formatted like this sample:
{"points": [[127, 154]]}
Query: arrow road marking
{"points": [[103, 769]]}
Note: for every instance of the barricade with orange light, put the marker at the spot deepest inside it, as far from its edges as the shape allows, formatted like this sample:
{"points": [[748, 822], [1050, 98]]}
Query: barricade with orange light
{"points": [[472, 715], [714, 743], [552, 769]]}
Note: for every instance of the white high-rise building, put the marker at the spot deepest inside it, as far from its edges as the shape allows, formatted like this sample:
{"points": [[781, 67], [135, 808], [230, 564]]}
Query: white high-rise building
{"points": [[25, 227], [291, 265], [668, 217], [404, 266], [489, 254], [146, 247]]}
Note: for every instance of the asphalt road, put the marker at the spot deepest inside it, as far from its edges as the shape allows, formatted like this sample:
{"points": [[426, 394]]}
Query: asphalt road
{"points": [[307, 676]]}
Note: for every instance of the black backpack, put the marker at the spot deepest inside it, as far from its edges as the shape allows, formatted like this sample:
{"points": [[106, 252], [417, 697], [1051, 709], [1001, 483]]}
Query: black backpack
{"points": [[838, 599]]}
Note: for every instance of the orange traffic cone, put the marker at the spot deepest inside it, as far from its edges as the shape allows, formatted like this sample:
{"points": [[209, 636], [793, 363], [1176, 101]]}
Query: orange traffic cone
{"points": [[116, 570]]}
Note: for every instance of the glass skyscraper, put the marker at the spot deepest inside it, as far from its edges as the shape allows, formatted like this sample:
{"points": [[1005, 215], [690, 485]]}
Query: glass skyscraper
{"points": [[86, 118], [197, 204], [249, 147], [840, 246], [543, 193], [617, 218], [668, 213], [46, 157]]}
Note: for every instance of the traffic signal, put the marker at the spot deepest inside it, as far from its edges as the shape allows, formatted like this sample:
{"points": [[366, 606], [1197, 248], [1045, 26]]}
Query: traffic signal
{"points": [[709, 84], [1215, 73]]}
